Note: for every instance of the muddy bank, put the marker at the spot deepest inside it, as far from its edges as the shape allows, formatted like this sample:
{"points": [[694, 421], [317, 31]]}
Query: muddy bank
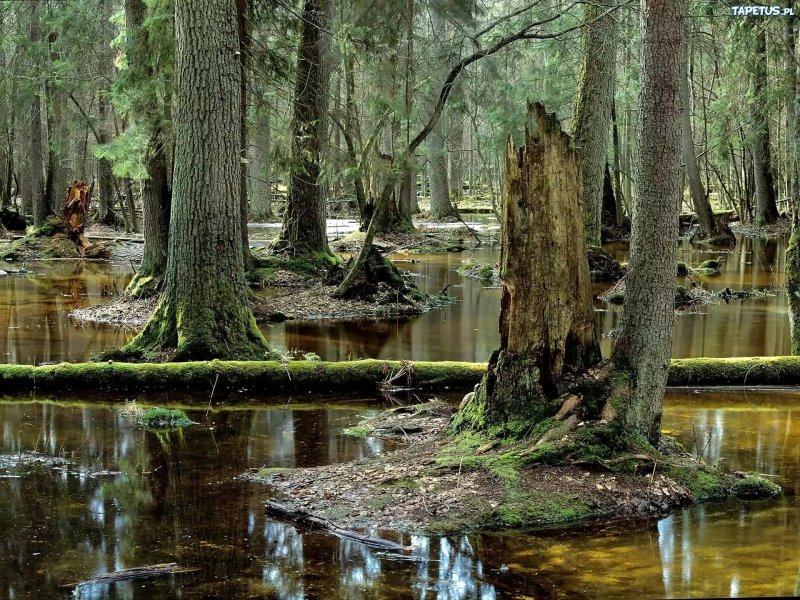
{"points": [[438, 484]]}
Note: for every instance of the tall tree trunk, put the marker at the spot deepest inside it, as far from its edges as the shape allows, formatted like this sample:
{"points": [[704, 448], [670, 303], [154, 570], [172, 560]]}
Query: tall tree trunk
{"points": [[408, 184], [38, 202], [304, 228], [243, 16], [156, 194], [457, 131], [794, 64], [354, 134], [546, 320], [260, 150], [700, 202], [441, 207], [104, 112], [793, 280], [203, 311], [619, 196], [766, 207], [592, 120], [643, 348]]}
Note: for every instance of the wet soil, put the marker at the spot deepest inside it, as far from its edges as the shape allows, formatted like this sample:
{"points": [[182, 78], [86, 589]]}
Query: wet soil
{"points": [[407, 489]]}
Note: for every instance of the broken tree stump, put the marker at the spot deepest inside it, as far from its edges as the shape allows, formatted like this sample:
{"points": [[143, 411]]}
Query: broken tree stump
{"points": [[546, 320], [76, 206]]}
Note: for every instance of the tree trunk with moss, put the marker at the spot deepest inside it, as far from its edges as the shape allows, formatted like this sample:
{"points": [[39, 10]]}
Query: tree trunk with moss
{"points": [[642, 351], [592, 121], [766, 207], [793, 280], [304, 228], [546, 320], [156, 194], [203, 312]]}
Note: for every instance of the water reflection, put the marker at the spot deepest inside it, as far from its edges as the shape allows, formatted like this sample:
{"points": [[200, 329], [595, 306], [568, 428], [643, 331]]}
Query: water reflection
{"points": [[130, 497], [34, 326]]}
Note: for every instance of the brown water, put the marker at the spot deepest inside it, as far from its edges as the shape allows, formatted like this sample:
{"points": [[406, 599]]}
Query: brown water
{"points": [[176, 498], [36, 327]]}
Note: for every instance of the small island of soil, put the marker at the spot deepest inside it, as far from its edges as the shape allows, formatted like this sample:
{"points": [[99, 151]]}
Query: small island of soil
{"points": [[431, 482]]}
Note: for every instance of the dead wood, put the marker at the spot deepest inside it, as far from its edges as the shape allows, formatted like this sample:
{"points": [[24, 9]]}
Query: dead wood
{"points": [[316, 523], [146, 572]]}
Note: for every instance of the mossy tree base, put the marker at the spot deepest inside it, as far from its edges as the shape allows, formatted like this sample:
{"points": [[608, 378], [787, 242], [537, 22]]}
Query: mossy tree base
{"points": [[145, 284], [226, 332]]}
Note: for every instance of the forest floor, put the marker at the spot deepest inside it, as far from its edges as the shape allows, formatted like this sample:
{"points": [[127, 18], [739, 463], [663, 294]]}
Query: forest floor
{"points": [[429, 482], [281, 304]]}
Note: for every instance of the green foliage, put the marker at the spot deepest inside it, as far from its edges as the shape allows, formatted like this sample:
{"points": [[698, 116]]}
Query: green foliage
{"points": [[357, 431], [753, 487], [127, 153], [164, 418]]}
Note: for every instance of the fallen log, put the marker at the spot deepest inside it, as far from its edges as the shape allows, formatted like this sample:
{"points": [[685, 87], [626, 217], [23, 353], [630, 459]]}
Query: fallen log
{"points": [[316, 523], [270, 377], [147, 572], [273, 378]]}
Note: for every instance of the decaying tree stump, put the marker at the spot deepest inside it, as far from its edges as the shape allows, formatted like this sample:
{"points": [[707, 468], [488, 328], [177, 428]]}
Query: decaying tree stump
{"points": [[76, 206], [546, 320]]}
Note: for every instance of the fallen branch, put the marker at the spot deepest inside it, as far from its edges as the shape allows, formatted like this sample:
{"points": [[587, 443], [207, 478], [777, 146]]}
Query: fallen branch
{"points": [[147, 572], [314, 522]]}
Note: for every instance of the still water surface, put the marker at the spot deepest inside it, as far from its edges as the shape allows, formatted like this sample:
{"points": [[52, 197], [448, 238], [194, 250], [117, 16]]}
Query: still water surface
{"points": [[175, 498], [35, 325]]}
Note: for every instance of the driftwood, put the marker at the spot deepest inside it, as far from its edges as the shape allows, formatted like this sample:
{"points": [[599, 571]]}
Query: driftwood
{"points": [[316, 523], [147, 572]]}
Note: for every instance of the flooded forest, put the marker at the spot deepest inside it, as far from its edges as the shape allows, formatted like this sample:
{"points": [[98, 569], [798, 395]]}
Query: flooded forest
{"points": [[453, 299]]}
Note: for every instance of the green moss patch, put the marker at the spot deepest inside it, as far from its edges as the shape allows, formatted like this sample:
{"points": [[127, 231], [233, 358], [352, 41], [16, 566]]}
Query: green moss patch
{"points": [[752, 487], [164, 418]]}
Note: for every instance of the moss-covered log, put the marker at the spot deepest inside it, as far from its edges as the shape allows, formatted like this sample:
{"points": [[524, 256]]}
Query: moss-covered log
{"points": [[768, 370], [271, 377], [268, 377]]}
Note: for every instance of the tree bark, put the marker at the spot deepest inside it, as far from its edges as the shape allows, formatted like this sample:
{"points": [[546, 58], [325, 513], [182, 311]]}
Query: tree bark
{"points": [[243, 16], [592, 120], [766, 208], [105, 175], [408, 184], [546, 320], [304, 228], [643, 348], [38, 202], [203, 312], [260, 181], [156, 194], [700, 203], [441, 208], [793, 281]]}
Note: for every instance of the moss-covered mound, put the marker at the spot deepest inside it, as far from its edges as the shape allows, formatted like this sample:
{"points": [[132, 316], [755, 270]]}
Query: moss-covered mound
{"points": [[164, 418], [36, 246], [290, 271]]}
